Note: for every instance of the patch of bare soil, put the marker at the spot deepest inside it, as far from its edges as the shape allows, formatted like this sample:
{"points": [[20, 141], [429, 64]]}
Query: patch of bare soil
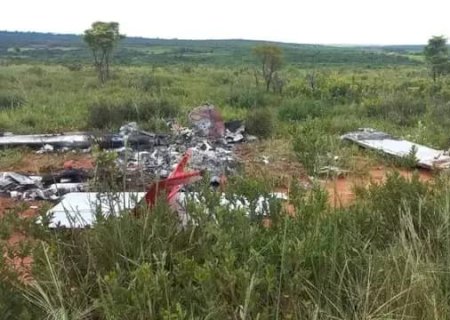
{"points": [[275, 161], [12, 249], [272, 160], [341, 189], [33, 163]]}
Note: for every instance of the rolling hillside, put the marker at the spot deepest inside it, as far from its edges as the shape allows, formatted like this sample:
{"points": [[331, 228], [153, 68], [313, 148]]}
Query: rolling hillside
{"points": [[69, 48]]}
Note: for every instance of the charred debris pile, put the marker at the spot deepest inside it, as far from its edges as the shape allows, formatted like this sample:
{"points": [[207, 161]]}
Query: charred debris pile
{"points": [[149, 156]]}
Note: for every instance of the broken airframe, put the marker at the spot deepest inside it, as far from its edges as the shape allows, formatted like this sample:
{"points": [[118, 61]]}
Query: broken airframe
{"points": [[427, 157]]}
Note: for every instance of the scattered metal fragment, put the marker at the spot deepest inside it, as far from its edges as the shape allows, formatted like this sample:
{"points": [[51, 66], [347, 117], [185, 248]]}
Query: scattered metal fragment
{"points": [[12, 181], [76, 141], [428, 158], [49, 187], [81, 209], [142, 156], [208, 121], [332, 171], [69, 141]]}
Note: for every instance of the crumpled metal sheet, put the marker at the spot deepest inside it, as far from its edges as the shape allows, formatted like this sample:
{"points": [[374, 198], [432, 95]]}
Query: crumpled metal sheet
{"points": [[80, 209], [372, 139], [49, 187], [10, 181]]}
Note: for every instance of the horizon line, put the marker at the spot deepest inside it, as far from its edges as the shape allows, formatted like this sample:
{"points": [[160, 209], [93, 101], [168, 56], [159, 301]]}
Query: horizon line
{"points": [[232, 39]]}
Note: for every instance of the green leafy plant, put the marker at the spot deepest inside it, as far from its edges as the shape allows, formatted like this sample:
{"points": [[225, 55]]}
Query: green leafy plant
{"points": [[260, 122]]}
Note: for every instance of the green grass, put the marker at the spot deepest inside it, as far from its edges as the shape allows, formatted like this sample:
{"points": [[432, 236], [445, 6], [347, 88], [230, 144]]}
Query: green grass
{"points": [[384, 257]]}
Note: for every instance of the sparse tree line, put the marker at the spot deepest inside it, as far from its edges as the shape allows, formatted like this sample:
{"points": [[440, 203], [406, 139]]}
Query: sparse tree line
{"points": [[103, 37]]}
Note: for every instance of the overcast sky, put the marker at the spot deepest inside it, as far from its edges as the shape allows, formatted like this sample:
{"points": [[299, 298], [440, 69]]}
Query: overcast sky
{"points": [[301, 21]]}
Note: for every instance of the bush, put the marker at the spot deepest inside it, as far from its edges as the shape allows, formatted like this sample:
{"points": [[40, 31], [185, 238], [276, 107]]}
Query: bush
{"points": [[13, 304], [400, 109], [10, 100], [315, 148], [440, 113], [74, 66], [152, 82], [297, 110], [37, 71], [248, 98], [106, 114], [397, 197], [260, 122]]}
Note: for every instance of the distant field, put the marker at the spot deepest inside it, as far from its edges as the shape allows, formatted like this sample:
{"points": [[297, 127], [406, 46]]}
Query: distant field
{"points": [[70, 48]]}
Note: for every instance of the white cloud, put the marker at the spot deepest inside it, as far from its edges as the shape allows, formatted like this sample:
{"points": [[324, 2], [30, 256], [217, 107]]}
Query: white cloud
{"points": [[312, 21]]}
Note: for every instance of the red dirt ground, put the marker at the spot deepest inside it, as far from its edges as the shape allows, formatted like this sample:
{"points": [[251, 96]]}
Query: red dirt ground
{"points": [[283, 168], [340, 190], [43, 163], [22, 265], [32, 163]]}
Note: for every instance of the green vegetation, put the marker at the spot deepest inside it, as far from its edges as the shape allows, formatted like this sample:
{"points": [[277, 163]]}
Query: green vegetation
{"points": [[102, 38], [271, 58], [51, 48], [436, 54], [384, 256]]}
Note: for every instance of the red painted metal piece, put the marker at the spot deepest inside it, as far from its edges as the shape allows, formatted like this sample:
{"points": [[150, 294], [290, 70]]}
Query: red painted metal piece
{"points": [[172, 185]]}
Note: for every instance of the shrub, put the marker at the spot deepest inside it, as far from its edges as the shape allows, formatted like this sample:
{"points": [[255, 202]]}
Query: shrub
{"points": [[106, 114], [260, 122], [74, 66], [400, 109], [152, 82], [440, 113], [37, 71], [315, 148], [10, 100], [297, 110], [248, 98], [398, 198], [157, 107], [13, 305]]}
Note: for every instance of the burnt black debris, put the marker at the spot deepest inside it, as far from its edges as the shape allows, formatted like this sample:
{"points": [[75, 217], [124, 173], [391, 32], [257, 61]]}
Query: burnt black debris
{"points": [[50, 187], [142, 156]]}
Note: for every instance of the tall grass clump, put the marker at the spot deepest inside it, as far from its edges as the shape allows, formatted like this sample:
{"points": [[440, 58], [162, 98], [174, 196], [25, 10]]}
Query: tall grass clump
{"points": [[247, 98], [299, 110], [316, 149], [112, 114], [401, 109], [10, 100], [384, 257], [260, 122]]}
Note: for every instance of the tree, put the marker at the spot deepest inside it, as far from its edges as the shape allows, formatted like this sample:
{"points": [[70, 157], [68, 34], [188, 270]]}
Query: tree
{"points": [[102, 38], [436, 54], [271, 58]]}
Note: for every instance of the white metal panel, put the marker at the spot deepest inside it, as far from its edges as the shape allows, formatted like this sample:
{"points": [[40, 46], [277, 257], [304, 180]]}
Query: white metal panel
{"points": [[427, 157], [79, 209]]}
